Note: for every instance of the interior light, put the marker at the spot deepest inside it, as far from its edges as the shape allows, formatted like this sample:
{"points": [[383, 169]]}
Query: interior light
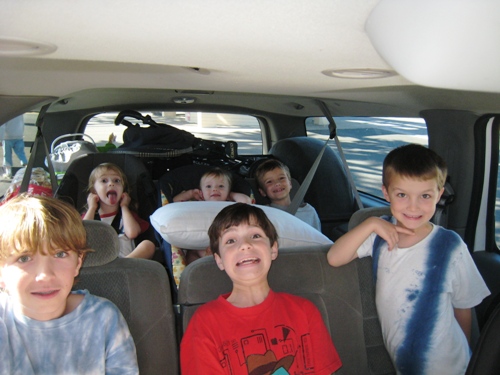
{"points": [[366, 73], [23, 47]]}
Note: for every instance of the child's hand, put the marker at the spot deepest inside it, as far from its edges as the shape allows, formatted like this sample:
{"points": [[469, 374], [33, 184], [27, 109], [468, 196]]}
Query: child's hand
{"points": [[240, 197], [125, 200], [93, 201], [389, 232], [197, 195]]}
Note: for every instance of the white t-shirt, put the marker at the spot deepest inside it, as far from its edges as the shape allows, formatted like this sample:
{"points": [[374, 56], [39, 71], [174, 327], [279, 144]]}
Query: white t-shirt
{"points": [[416, 291]]}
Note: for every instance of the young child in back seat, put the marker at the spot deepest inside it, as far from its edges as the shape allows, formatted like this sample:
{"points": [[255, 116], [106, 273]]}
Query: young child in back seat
{"points": [[110, 202], [426, 280], [275, 182], [253, 330], [215, 186], [45, 328]]}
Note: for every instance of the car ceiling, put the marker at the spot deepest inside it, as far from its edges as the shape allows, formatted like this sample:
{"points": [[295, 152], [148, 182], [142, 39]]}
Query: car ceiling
{"points": [[149, 51]]}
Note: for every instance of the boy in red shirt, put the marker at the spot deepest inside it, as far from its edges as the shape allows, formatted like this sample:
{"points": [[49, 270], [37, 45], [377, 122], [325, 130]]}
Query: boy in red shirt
{"points": [[253, 330]]}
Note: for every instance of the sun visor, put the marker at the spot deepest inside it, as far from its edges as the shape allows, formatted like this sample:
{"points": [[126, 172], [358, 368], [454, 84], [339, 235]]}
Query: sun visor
{"points": [[452, 44]]}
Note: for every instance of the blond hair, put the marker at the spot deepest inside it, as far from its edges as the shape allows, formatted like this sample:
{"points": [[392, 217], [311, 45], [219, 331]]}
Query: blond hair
{"points": [[29, 222], [103, 168]]}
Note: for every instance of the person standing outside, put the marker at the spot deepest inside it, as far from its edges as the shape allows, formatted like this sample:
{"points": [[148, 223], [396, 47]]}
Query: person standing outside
{"points": [[12, 133]]}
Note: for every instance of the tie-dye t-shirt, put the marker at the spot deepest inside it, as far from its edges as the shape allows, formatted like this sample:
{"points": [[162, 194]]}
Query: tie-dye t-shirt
{"points": [[92, 339], [417, 289]]}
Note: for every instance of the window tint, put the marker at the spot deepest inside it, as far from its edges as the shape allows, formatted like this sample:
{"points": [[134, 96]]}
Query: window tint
{"points": [[211, 126], [366, 141]]}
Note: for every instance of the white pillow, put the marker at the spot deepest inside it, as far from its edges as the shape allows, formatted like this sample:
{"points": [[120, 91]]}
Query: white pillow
{"points": [[185, 225]]}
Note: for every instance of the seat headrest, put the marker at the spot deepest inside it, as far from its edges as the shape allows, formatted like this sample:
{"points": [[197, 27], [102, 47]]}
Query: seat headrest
{"points": [[101, 238], [361, 215]]}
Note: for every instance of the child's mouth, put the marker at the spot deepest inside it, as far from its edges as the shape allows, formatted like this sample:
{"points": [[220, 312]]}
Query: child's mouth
{"points": [[46, 293], [112, 196], [248, 261]]}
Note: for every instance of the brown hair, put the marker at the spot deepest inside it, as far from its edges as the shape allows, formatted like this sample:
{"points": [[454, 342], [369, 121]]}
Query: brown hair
{"points": [[236, 214], [270, 165], [414, 161], [27, 222]]}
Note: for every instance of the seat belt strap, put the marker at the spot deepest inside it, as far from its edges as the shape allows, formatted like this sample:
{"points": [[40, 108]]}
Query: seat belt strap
{"points": [[333, 134], [299, 196]]}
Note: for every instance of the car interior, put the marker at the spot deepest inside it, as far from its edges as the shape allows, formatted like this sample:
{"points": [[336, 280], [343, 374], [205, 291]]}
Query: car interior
{"points": [[167, 90]]}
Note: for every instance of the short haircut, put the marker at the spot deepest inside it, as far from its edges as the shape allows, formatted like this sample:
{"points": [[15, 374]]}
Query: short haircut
{"points": [[103, 168], [219, 172], [267, 166], [28, 222], [414, 161], [237, 214]]}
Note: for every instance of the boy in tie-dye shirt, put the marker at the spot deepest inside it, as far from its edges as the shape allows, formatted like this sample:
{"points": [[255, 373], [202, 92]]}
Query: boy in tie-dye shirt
{"points": [[426, 280], [44, 327]]}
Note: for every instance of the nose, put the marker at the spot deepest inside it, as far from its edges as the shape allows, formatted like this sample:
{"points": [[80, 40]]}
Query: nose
{"points": [[245, 245], [413, 203], [44, 268]]}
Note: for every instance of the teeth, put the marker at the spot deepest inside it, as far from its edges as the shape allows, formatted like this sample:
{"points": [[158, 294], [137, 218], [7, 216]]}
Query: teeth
{"points": [[249, 260]]}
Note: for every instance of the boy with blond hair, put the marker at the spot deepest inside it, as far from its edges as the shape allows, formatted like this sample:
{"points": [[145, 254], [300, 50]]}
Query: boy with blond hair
{"points": [[426, 280], [45, 328]]}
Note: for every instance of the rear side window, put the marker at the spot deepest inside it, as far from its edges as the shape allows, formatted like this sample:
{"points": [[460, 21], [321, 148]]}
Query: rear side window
{"points": [[366, 141], [243, 129]]}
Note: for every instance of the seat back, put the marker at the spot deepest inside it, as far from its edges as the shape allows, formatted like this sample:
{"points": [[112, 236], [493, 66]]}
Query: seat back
{"points": [[140, 289], [361, 215], [486, 355], [329, 192], [344, 296]]}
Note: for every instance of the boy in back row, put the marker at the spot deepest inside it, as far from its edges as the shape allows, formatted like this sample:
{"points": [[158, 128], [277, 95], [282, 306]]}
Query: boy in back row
{"points": [[275, 182], [426, 280]]}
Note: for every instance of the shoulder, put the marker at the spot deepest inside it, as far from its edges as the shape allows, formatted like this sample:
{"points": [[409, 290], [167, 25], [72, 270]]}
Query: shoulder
{"points": [[98, 305], [300, 303], [447, 238]]}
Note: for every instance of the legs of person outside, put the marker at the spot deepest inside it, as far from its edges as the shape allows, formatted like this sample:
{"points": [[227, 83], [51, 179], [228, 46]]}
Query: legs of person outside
{"points": [[8, 146]]}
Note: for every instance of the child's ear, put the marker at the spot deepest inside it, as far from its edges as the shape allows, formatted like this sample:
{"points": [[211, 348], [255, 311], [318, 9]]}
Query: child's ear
{"points": [[79, 265], [386, 194], [262, 192], [218, 260], [274, 250]]}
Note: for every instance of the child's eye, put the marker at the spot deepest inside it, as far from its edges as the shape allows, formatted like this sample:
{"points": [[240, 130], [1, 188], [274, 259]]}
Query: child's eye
{"points": [[208, 186], [117, 181], [256, 235], [61, 254], [24, 258], [401, 195], [221, 186], [426, 196], [230, 241]]}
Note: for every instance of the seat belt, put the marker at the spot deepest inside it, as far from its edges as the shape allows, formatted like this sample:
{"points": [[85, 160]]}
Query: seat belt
{"points": [[448, 196], [332, 126]]}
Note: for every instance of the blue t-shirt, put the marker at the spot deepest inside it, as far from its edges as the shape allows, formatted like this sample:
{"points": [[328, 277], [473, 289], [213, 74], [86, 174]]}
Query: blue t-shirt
{"points": [[92, 339]]}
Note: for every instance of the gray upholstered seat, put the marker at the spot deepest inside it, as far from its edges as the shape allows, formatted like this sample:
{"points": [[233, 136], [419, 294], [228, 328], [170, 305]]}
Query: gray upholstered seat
{"points": [[140, 288], [344, 295]]}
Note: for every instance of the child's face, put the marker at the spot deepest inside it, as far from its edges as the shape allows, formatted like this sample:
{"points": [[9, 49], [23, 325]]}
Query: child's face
{"points": [[413, 202], [214, 188], [38, 284], [276, 185], [109, 188], [246, 254]]}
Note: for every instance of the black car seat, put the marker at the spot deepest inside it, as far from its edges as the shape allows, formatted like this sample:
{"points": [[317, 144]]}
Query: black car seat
{"points": [[140, 288], [329, 192], [73, 186]]}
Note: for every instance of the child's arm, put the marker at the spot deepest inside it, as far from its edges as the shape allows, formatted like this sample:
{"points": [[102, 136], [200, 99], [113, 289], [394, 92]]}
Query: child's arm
{"points": [[189, 195], [464, 319], [240, 197], [344, 250], [131, 227], [93, 204]]}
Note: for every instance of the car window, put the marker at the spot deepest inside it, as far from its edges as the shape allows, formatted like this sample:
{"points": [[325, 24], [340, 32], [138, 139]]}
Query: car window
{"points": [[211, 126], [29, 134], [366, 141]]}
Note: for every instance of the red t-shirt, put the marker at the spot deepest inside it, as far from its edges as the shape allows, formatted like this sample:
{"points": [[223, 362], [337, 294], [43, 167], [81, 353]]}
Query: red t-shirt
{"points": [[285, 334]]}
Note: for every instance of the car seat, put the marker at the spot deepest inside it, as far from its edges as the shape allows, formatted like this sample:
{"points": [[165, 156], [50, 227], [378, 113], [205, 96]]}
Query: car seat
{"points": [[140, 288], [329, 192], [73, 186], [344, 295]]}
